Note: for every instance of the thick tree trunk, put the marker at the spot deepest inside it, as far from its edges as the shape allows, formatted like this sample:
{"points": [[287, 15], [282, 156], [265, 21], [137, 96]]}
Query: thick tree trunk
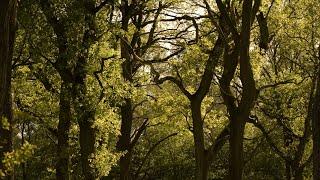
{"points": [[124, 141], [237, 125], [198, 135], [125, 162], [62, 166], [7, 34]]}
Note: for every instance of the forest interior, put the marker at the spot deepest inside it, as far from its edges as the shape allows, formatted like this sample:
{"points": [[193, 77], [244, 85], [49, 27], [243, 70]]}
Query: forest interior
{"points": [[160, 89]]}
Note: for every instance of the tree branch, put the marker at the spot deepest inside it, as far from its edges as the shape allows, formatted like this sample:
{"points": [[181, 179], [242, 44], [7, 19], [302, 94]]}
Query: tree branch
{"points": [[209, 70], [138, 132], [153, 147], [274, 85], [218, 144], [254, 120], [102, 4]]}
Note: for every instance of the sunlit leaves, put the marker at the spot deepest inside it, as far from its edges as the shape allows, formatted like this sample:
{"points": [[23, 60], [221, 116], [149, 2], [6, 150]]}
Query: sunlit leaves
{"points": [[16, 157]]}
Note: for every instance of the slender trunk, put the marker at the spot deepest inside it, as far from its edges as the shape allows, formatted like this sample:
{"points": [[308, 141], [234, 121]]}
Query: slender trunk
{"points": [[24, 171], [288, 171], [87, 140], [125, 138], [85, 116], [7, 35], [237, 125], [84, 108], [62, 166], [248, 93], [316, 131], [124, 141], [298, 175], [198, 135], [23, 165]]}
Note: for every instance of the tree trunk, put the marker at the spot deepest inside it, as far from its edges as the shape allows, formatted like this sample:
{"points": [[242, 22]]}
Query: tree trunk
{"points": [[237, 125], [248, 93], [62, 166], [87, 141], [23, 165], [7, 35], [298, 174], [124, 141], [316, 131], [85, 113], [288, 170], [125, 162], [198, 135], [85, 118], [85, 109]]}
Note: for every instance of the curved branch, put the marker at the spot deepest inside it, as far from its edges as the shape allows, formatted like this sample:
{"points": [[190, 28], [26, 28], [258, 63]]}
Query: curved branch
{"points": [[150, 151], [275, 148], [218, 144]]}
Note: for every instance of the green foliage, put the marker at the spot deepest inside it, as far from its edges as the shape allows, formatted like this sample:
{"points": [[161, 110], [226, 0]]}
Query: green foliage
{"points": [[285, 73], [16, 158], [4, 123]]}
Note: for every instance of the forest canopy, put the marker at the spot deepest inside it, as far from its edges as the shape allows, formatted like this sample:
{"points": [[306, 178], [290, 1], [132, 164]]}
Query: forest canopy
{"points": [[159, 89]]}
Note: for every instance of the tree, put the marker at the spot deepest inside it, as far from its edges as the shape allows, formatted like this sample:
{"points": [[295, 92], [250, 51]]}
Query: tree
{"points": [[73, 86], [7, 36], [151, 89], [204, 156], [135, 43], [234, 55]]}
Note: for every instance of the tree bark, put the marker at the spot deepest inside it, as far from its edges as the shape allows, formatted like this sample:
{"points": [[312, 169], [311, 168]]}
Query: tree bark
{"points": [[84, 108], [87, 141], [76, 77], [65, 116], [248, 95], [198, 135], [8, 10], [298, 175], [124, 141], [316, 130], [62, 165], [24, 165], [288, 170], [237, 125], [85, 115]]}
